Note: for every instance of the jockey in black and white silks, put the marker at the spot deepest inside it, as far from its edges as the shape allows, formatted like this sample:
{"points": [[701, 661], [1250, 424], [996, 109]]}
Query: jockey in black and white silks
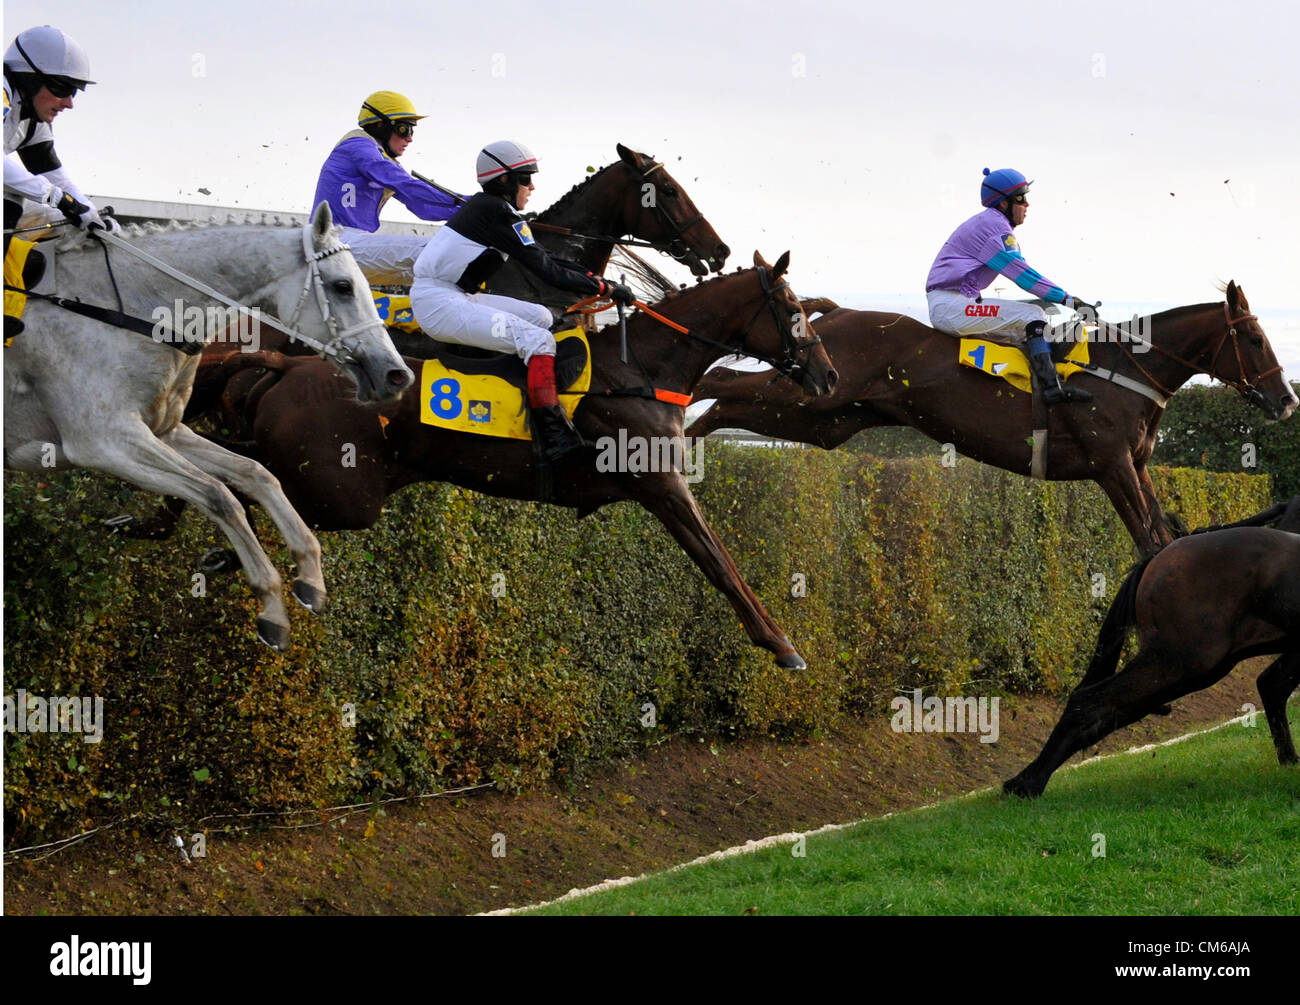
{"points": [[469, 249], [44, 68]]}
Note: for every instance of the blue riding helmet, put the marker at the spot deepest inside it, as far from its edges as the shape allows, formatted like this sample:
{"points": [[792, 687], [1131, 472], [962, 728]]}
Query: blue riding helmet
{"points": [[1001, 184]]}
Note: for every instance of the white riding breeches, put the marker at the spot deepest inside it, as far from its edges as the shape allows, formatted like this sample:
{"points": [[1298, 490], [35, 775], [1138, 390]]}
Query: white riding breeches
{"points": [[447, 313], [1000, 321], [385, 258]]}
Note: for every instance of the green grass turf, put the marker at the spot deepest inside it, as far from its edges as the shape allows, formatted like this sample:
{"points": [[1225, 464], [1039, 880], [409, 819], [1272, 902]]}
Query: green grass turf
{"points": [[1207, 826]]}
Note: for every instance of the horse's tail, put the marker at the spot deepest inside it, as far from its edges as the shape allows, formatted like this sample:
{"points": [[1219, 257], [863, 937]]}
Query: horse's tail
{"points": [[1114, 630]]}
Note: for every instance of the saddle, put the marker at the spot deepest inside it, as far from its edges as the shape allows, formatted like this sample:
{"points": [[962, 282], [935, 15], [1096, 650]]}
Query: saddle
{"points": [[1012, 365]]}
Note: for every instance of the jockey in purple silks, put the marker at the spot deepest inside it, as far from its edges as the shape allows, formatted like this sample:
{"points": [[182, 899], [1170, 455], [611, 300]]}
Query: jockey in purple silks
{"points": [[362, 173], [979, 250]]}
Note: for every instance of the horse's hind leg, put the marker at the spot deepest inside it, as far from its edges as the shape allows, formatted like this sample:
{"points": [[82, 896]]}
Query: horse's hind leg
{"points": [[1275, 686], [257, 483], [128, 450], [1094, 712]]}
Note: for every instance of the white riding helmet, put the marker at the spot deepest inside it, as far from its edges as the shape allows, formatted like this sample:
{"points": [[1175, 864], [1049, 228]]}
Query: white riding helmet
{"points": [[48, 52], [504, 156]]}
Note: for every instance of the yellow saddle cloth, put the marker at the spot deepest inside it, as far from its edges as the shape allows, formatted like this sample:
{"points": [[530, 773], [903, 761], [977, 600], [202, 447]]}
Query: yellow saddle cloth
{"points": [[486, 404], [395, 311], [1011, 364], [15, 262]]}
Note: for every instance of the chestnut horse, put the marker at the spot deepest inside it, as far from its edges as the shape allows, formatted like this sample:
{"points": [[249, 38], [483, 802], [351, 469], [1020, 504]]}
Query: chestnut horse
{"points": [[897, 371], [1201, 606], [300, 417]]}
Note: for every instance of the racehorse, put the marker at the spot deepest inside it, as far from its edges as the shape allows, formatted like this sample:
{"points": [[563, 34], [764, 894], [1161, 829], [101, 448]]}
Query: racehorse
{"points": [[82, 392], [1201, 606], [897, 371], [299, 423]]}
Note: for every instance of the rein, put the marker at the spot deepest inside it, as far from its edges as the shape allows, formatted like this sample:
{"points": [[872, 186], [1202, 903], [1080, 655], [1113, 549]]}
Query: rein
{"points": [[1243, 385], [335, 349], [788, 365]]}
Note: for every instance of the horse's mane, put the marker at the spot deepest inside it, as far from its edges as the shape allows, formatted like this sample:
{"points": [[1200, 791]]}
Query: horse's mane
{"points": [[570, 196]]}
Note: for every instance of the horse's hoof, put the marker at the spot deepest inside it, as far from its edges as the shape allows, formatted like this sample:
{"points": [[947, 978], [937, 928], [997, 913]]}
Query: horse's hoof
{"points": [[1019, 786], [275, 636], [1163, 710], [307, 595], [791, 661], [219, 560], [118, 524]]}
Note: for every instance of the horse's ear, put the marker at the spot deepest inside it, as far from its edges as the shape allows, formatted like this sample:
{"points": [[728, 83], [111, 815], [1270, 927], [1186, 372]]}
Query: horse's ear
{"points": [[1236, 298], [629, 156], [322, 221], [782, 264], [760, 262]]}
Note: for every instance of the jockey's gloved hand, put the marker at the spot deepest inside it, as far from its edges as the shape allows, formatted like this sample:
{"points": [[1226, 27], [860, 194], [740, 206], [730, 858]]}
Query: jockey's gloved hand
{"points": [[76, 212], [1082, 306], [619, 293], [96, 222]]}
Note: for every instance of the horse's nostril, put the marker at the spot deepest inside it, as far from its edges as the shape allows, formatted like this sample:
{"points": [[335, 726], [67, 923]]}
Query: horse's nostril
{"points": [[398, 378]]}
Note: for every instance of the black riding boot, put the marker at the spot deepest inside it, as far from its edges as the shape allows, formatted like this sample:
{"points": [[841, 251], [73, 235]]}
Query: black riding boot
{"points": [[556, 433], [1045, 375]]}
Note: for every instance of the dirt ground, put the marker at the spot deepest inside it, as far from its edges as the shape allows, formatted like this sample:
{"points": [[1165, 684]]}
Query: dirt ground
{"points": [[487, 850]]}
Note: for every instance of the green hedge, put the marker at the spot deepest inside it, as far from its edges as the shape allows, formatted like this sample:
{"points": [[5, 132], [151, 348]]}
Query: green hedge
{"points": [[916, 575]]}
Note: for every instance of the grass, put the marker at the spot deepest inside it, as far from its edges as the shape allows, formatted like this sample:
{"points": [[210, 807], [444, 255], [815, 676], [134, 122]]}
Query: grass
{"points": [[1208, 826]]}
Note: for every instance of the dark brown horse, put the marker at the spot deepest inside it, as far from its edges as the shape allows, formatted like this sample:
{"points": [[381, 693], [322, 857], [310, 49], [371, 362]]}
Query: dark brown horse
{"points": [[302, 416], [897, 371], [1201, 606]]}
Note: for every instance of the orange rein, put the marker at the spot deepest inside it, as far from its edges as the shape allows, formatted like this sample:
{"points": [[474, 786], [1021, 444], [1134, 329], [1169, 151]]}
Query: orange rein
{"points": [[604, 303]]}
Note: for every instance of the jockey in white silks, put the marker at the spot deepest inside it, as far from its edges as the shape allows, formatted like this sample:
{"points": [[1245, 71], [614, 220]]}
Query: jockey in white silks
{"points": [[972, 257], [44, 68], [362, 173], [467, 251]]}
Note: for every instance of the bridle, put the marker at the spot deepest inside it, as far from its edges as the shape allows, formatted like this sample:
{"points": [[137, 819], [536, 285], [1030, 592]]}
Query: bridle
{"points": [[338, 347], [1243, 385], [677, 247]]}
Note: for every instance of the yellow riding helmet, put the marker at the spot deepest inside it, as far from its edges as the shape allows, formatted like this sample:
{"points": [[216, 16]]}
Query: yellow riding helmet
{"points": [[386, 105]]}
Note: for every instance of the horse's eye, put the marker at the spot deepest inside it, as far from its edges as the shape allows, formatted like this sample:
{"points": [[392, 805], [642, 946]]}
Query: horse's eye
{"points": [[669, 191], [1257, 342], [343, 287]]}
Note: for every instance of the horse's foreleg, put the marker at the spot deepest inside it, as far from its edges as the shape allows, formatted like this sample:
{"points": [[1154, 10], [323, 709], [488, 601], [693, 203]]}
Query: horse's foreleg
{"points": [[1275, 685], [669, 499], [258, 484], [129, 450]]}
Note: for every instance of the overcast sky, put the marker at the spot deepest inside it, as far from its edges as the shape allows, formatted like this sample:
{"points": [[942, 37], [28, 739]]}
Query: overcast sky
{"points": [[1162, 139]]}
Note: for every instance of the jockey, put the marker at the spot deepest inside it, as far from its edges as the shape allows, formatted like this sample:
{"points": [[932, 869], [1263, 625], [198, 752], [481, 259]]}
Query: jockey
{"points": [[362, 172], [473, 245], [44, 68], [969, 260]]}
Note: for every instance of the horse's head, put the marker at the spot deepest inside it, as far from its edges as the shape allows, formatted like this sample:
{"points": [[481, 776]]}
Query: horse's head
{"points": [[343, 319], [1245, 360], [780, 333], [658, 210]]}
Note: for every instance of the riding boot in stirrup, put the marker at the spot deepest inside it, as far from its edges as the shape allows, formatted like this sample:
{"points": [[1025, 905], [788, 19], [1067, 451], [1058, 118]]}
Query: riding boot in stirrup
{"points": [[1045, 375], [556, 432]]}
